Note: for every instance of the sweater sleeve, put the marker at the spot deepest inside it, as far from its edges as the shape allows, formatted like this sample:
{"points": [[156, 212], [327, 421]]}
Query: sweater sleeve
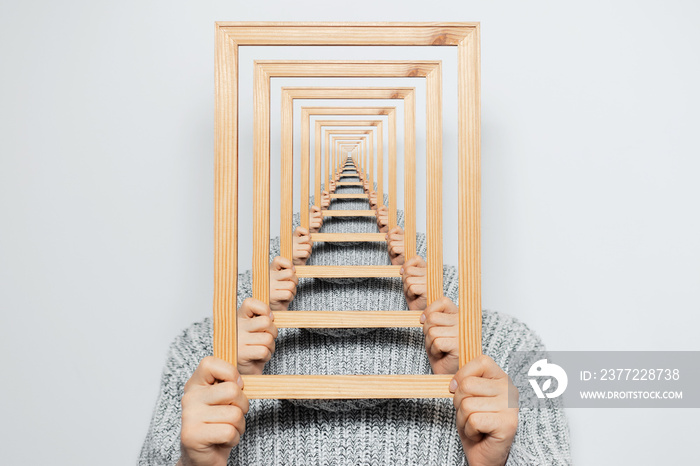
{"points": [[542, 437], [162, 443]]}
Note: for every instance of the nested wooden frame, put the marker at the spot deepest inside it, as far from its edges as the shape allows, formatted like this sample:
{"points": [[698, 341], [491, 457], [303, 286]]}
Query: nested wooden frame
{"points": [[406, 94], [231, 35], [267, 69], [378, 125], [409, 150]]}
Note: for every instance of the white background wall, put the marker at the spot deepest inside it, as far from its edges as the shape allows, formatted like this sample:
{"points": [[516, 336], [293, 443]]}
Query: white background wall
{"points": [[590, 192]]}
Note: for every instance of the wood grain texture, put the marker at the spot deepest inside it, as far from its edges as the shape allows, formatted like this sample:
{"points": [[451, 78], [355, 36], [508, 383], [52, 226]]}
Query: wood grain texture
{"points": [[348, 213], [409, 170], [347, 33], [225, 199], [349, 196], [261, 185], [287, 180], [347, 319], [469, 150], [305, 173], [348, 237], [392, 170], [347, 271], [346, 386], [328, 160], [317, 163], [380, 164], [347, 68], [434, 184]]}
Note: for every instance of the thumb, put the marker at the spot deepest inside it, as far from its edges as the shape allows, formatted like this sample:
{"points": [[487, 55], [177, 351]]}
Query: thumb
{"points": [[281, 263]]}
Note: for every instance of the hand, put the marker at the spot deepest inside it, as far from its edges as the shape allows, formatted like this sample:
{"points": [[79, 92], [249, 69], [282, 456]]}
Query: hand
{"points": [[382, 215], [283, 283], [325, 199], [365, 186], [395, 246], [373, 200], [256, 336], [301, 246], [485, 422], [213, 414], [315, 219], [332, 186], [441, 329]]}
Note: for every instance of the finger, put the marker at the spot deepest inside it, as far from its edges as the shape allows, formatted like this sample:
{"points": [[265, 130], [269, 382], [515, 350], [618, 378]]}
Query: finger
{"points": [[285, 285], [252, 307], [482, 366], [283, 275], [301, 232], [261, 339], [437, 345], [211, 370], [416, 262], [223, 414], [217, 434], [223, 393], [280, 296], [476, 425], [255, 353], [259, 324], [480, 404], [415, 290], [479, 386], [440, 319], [443, 304], [279, 263]]}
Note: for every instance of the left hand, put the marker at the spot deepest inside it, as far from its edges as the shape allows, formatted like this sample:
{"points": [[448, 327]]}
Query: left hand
{"points": [[485, 422], [315, 219], [395, 246], [283, 283], [301, 246]]}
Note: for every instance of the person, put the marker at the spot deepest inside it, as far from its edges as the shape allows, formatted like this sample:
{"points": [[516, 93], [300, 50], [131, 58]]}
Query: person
{"points": [[202, 416]]}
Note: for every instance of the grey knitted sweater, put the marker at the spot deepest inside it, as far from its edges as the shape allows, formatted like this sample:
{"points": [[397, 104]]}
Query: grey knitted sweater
{"points": [[351, 432]]}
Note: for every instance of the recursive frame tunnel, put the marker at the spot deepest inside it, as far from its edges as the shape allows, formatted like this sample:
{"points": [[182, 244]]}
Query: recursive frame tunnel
{"points": [[349, 159]]}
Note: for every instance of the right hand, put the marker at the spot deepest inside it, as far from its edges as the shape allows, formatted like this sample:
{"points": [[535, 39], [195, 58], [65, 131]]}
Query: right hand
{"points": [[382, 215], [256, 336], [213, 414], [395, 245]]}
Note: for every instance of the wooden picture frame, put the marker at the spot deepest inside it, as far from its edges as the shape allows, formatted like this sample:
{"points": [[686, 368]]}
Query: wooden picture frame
{"points": [[406, 94], [230, 36]]}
